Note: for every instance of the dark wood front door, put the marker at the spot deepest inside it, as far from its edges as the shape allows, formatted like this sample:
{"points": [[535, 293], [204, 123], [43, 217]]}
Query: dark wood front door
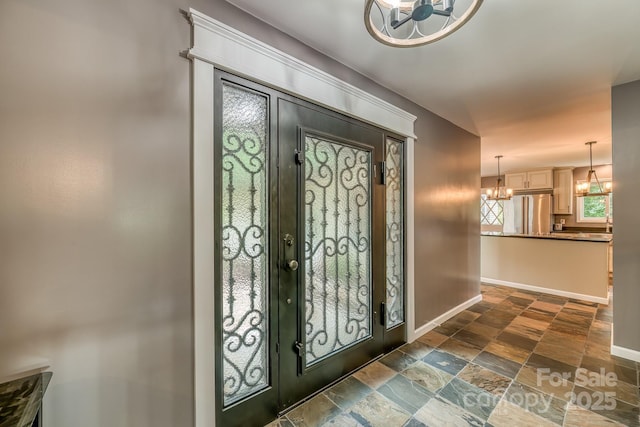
{"points": [[332, 206], [303, 235]]}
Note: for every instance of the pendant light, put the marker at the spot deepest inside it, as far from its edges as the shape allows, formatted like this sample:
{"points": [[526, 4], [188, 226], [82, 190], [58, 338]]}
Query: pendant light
{"points": [[499, 192], [583, 189]]}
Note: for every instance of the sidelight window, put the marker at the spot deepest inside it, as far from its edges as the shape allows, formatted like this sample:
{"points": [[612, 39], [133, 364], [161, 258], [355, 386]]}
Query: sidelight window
{"points": [[244, 252], [395, 232]]}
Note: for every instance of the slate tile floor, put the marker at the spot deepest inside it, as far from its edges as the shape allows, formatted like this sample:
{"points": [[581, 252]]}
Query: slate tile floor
{"points": [[499, 363]]}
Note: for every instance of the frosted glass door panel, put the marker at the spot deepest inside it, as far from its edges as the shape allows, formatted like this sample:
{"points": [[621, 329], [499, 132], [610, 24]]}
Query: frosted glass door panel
{"points": [[395, 243], [244, 242], [337, 247]]}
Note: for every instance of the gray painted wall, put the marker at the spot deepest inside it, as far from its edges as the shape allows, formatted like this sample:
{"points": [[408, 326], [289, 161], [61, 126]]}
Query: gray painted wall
{"points": [[447, 217], [95, 218], [625, 105]]}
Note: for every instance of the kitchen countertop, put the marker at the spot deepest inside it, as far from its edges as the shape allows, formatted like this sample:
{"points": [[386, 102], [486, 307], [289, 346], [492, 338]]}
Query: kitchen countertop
{"points": [[575, 236]]}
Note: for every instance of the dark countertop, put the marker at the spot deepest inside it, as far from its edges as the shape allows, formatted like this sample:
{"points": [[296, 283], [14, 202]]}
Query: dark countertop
{"points": [[579, 236], [20, 399]]}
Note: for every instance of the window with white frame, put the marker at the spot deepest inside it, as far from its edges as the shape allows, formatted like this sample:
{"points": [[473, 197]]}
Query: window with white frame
{"points": [[597, 209], [491, 214]]}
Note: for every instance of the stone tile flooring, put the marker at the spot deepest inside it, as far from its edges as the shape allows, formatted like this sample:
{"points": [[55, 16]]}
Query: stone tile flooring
{"points": [[517, 358]]}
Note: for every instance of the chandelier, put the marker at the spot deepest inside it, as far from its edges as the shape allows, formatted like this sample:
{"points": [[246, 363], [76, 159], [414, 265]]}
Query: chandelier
{"points": [[499, 192], [413, 23], [584, 188]]}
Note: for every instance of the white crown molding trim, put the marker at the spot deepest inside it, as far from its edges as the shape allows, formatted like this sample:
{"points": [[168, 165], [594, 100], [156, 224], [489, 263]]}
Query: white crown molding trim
{"points": [[216, 45], [444, 317], [540, 289], [228, 48]]}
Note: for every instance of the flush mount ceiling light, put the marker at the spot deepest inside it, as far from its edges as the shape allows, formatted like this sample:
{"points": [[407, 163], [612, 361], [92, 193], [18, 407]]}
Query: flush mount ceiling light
{"points": [[584, 189], [499, 192], [415, 23]]}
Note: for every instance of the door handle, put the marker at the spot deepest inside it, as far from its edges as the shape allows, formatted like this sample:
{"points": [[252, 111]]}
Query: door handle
{"points": [[290, 264]]}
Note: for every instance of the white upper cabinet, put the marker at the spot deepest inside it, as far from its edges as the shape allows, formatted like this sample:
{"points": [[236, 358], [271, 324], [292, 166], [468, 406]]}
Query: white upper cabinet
{"points": [[530, 180], [540, 179], [563, 191], [516, 181]]}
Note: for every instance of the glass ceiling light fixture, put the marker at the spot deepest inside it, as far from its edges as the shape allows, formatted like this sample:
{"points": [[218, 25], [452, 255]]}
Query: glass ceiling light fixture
{"points": [[414, 23], [499, 192], [583, 189]]}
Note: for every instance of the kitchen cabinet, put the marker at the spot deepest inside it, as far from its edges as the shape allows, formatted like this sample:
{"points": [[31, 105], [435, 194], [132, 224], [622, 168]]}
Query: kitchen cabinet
{"points": [[530, 180], [563, 191]]}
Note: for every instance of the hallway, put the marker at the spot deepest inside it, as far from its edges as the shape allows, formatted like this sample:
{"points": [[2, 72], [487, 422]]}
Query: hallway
{"points": [[517, 358]]}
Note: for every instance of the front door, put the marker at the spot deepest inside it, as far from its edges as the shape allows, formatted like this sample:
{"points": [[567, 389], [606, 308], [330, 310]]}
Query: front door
{"points": [[332, 227], [310, 255]]}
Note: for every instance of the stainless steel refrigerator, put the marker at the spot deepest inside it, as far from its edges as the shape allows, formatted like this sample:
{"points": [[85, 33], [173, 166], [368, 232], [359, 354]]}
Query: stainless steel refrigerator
{"points": [[528, 214]]}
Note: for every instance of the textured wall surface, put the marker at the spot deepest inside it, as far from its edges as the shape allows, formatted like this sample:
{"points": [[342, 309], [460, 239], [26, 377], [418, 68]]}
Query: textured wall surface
{"points": [[626, 204], [95, 218]]}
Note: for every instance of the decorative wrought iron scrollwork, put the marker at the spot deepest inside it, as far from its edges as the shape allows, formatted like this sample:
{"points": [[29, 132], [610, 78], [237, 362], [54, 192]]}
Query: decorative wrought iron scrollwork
{"points": [[244, 243], [395, 241], [337, 246]]}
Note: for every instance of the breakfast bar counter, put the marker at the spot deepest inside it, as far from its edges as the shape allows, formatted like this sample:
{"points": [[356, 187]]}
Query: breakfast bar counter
{"points": [[570, 265]]}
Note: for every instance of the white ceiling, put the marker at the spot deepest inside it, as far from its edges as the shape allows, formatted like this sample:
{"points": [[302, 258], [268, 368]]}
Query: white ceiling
{"points": [[532, 78]]}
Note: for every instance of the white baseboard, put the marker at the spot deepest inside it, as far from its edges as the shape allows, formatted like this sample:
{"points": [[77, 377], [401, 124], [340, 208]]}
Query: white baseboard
{"points": [[625, 353], [443, 318], [558, 292]]}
